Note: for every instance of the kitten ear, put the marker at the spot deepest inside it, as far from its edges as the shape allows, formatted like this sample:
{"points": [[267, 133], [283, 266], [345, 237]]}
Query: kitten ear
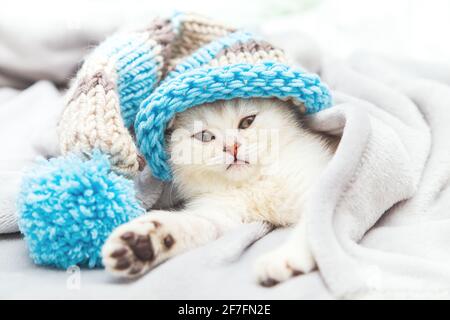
{"points": [[170, 124], [170, 127]]}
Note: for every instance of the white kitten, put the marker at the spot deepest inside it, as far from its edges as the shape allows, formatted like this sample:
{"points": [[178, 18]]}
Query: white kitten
{"points": [[233, 162]]}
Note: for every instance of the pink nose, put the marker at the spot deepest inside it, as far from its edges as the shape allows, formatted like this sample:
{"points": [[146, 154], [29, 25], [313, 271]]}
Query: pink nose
{"points": [[233, 149]]}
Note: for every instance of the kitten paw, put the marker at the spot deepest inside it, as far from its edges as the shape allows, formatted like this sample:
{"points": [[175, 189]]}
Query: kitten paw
{"points": [[282, 264], [136, 247]]}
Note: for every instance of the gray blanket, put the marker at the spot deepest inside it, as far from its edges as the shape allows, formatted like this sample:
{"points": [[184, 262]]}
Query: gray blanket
{"points": [[378, 221], [220, 270]]}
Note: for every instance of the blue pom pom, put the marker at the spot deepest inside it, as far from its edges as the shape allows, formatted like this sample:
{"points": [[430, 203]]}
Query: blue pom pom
{"points": [[68, 206]]}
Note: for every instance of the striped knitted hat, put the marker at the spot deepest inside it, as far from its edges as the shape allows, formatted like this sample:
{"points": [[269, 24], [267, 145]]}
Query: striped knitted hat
{"points": [[132, 85]]}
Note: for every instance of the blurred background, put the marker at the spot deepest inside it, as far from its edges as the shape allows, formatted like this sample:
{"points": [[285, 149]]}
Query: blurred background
{"points": [[36, 36]]}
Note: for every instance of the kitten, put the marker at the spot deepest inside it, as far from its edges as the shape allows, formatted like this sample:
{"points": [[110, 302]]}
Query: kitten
{"points": [[233, 162]]}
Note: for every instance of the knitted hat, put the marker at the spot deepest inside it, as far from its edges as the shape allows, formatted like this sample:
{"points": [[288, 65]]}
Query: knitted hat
{"points": [[133, 84]]}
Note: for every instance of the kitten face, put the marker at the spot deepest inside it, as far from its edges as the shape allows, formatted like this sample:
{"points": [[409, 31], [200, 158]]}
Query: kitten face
{"points": [[233, 140]]}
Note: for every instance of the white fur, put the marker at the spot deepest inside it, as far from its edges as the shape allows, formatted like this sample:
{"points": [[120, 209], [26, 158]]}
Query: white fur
{"points": [[273, 187]]}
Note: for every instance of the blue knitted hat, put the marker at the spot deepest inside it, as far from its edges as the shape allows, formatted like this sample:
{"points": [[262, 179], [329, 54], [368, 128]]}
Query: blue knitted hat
{"points": [[133, 84]]}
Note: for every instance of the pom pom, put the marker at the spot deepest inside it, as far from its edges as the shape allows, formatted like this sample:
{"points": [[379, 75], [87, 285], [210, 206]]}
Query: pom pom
{"points": [[68, 207]]}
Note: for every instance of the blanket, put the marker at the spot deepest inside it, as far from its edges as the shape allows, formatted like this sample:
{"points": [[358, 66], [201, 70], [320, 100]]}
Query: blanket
{"points": [[378, 220]]}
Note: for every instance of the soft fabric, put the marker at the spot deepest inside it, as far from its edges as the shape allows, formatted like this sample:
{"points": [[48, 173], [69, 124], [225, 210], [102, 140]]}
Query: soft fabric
{"points": [[68, 206], [226, 262], [388, 110], [38, 109], [139, 80], [378, 222]]}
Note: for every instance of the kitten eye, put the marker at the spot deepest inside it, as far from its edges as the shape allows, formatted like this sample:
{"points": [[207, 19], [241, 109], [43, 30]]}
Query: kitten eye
{"points": [[204, 136], [246, 122]]}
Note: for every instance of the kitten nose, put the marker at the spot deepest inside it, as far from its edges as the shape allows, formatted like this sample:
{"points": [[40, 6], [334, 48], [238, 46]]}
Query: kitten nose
{"points": [[233, 149]]}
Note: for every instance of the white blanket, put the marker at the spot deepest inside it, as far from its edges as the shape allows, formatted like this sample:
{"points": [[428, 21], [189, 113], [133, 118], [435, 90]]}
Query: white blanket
{"points": [[394, 159], [27, 130], [378, 221]]}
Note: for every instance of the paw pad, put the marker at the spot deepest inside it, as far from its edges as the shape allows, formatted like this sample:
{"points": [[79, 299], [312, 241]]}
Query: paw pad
{"points": [[137, 247], [169, 241], [269, 282]]}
